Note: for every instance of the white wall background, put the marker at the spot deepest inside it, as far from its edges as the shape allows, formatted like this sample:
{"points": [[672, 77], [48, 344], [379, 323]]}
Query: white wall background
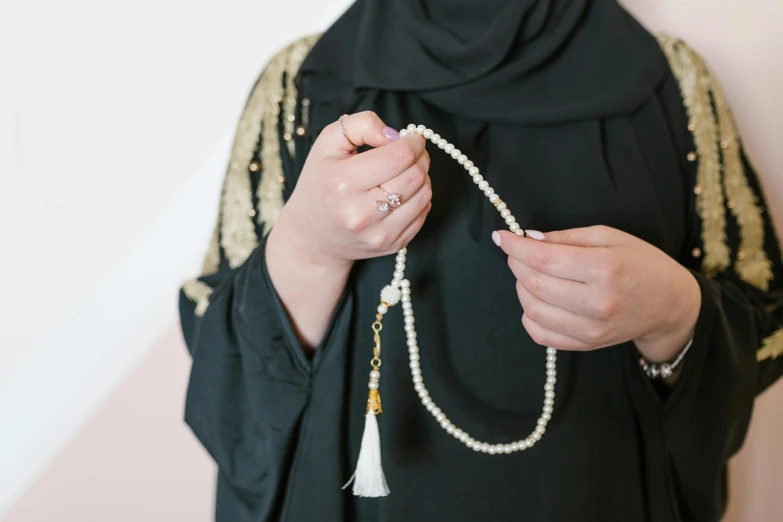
{"points": [[115, 120]]}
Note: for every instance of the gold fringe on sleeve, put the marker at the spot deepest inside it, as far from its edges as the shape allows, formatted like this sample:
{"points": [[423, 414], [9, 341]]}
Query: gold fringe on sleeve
{"points": [[752, 263], [235, 231], [695, 89], [772, 347]]}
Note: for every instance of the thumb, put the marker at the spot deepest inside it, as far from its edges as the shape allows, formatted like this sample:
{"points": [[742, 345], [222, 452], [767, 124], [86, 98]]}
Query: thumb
{"points": [[595, 236]]}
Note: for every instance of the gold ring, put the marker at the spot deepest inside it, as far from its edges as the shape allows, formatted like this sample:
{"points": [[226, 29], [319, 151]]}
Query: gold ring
{"points": [[340, 123]]}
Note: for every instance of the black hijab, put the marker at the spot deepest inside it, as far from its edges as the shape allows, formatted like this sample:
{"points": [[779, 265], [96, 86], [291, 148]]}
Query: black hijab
{"points": [[520, 61]]}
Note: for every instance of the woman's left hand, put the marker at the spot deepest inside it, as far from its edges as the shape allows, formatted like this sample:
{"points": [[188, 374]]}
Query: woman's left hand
{"points": [[594, 287]]}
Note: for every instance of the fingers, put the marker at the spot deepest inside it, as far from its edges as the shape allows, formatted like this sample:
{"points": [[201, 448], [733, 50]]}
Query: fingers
{"points": [[560, 321], [563, 261], [363, 128], [409, 233], [599, 235], [409, 210], [574, 296], [382, 164], [410, 181], [545, 337]]}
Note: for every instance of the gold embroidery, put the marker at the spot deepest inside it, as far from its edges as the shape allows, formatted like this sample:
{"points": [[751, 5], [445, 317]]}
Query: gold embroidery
{"points": [[753, 266], [772, 347], [694, 87], [199, 293], [270, 188]]}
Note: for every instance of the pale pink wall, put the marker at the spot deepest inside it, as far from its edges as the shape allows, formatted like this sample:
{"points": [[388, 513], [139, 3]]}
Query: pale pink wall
{"points": [[135, 461]]}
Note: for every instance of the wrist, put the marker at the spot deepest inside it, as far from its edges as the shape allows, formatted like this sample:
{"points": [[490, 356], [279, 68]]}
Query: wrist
{"points": [[287, 242], [677, 330]]}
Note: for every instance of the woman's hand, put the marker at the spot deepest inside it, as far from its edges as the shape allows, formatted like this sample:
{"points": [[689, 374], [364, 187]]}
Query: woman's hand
{"points": [[594, 287], [332, 220]]}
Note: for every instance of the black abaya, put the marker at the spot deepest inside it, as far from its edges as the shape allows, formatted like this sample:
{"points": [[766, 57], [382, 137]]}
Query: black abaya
{"points": [[285, 429]]}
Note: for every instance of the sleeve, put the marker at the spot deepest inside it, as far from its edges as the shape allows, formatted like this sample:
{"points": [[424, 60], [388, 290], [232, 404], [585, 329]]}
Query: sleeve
{"points": [[735, 256], [250, 381]]}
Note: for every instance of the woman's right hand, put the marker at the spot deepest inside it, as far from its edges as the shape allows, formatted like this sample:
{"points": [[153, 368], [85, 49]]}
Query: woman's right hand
{"points": [[332, 217], [332, 220]]}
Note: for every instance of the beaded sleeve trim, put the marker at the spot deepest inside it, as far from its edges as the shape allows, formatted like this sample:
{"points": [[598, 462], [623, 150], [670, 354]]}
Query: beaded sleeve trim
{"points": [[235, 231]]}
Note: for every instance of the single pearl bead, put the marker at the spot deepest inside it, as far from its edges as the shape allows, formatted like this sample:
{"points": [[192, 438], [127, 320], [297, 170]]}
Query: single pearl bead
{"points": [[494, 198], [549, 395], [418, 379], [411, 333], [404, 132], [413, 349], [442, 143], [513, 227], [551, 373], [473, 171], [418, 386], [551, 380], [382, 309], [414, 365], [405, 291], [373, 385], [548, 410], [407, 312], [510, 219], [409, 319], [541, 421], [398, 274], [449, 148], [505, 212], [455, 153], [502, 206], [461, 159], [546, 416], [415, 371], [519, 232], [420, 129], [483, 185], [549, 402], [399, 258], [403, 251], [375, 374], [405, 284], [535, 436], [411, 128], [426, 401], [507, 448], [407, 306], [435, 411], [463, 436], [477, 178], [435, 138], [489, 191], [550, 365], [515, 446], [468, 165], [399, 266], [551, 351], [424, 393], [431, 406], [427, 133], [450, 429]]}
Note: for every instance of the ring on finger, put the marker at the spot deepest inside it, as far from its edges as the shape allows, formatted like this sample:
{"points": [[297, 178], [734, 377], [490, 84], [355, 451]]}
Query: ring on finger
{"points": [[342, 128]]}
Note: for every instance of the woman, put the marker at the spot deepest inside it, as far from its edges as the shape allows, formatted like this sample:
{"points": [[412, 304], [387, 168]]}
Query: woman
{"points": [[657, 275]]}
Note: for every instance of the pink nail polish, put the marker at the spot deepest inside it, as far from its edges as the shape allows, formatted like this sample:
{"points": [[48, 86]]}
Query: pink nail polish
{"points": [[390, 133], [535, 234], [496, 238]]}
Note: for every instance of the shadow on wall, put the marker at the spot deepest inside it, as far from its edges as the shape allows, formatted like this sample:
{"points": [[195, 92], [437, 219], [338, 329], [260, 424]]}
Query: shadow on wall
{"points": [[135, 460]]}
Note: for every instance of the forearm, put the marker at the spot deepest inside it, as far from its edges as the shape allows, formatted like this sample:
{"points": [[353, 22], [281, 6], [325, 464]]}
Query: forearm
{"points": [[309, 285]]}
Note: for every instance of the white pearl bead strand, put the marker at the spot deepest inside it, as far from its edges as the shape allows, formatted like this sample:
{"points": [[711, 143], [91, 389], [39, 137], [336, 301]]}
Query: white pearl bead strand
{"points": [[400, 290]]}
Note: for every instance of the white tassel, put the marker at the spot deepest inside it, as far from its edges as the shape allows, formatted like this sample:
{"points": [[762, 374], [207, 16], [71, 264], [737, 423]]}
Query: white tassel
{"points": [[368, 479]]}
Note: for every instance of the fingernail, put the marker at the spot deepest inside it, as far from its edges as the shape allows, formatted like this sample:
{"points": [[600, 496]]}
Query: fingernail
{"points": [[535, 234], [390, 133], [496, 238]]}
